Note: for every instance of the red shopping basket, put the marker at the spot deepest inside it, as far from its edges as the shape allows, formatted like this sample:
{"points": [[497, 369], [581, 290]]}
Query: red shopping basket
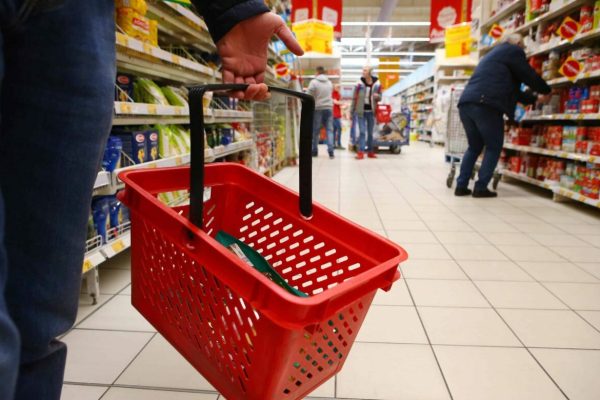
{"points": [[383, 113], [247, 336]]}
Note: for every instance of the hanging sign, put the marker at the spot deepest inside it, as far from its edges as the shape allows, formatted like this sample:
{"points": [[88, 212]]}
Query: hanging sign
{"points": [[458, 40], [445, 13]]}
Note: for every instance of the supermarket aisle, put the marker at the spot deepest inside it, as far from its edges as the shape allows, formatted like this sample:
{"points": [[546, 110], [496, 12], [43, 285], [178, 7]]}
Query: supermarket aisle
{"points": [[500, 298]]}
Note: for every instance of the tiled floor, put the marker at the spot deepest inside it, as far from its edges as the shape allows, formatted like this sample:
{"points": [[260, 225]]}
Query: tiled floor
{"points": [[500, 298]]}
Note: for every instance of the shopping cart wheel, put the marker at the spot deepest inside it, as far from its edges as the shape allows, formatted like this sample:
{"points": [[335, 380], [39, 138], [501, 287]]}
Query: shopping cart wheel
{"points": [[451, 175], [496, 180], [395, 149]]}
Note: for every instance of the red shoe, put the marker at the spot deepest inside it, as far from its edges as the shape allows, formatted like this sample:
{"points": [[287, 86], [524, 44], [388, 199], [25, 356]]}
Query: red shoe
{"points": [[360, 155], [372, 155]]}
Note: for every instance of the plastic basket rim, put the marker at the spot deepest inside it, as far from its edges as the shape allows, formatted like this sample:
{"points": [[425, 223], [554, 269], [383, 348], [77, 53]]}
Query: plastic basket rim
{"points": [[128, 177]]}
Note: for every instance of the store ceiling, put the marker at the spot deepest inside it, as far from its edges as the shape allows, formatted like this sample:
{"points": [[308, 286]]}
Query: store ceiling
{"points": [[403, 39]]}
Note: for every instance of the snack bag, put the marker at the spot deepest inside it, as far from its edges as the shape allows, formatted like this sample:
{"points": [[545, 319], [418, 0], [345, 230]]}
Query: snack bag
{"points": [[133, 24]]}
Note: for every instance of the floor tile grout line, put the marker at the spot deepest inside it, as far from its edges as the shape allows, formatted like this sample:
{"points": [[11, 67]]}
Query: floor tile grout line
{"points": [[142, 387], [480, 345], [113, 330], [133, 359]]}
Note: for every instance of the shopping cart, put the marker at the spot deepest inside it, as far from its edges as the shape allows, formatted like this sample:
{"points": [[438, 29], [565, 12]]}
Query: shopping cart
{"points": [[393, 134], [251, 339], [456, 140]]}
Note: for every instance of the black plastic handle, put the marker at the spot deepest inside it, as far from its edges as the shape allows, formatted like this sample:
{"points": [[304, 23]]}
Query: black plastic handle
{"points": [[196, 94]]}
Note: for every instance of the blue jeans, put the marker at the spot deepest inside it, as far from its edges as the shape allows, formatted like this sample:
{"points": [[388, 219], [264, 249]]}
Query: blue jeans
{"points": [[484, 127], [323, 118], [366, 124], [337, 132], [353, 127], [57, 72]]}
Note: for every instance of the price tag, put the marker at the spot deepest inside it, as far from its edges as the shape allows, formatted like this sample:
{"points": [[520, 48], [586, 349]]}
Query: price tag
{"points": [[152, 109], [121, 39], [147, 48], [87, 265], [118, 246], [580, 117], [178, 160], [175, 59], [125, 108]]}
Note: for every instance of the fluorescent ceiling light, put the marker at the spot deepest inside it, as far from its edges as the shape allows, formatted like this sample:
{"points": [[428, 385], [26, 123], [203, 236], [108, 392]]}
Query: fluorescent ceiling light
{"points": [[390, 53], [395, 40], [380, 70], [380, 23], [362, 61]]}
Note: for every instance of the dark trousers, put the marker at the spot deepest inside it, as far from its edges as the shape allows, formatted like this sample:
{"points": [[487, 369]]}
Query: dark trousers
{"points": [[57, 72], [485, 128]]}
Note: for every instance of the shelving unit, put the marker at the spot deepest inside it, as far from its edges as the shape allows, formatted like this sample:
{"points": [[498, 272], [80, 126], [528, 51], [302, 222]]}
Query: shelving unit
{"points": [[417, 98]]}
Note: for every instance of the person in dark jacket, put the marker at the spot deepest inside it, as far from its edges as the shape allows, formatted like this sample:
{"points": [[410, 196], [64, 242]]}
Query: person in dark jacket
{"points": [[57, 77], [492, 92]]}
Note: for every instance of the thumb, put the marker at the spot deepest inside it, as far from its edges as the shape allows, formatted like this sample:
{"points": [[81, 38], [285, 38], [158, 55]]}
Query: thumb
{"points": [[286, 36]]}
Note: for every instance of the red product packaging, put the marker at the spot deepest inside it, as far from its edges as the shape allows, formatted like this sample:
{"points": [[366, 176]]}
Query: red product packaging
{"points": [[595, 92], [586, 18], [582, 132], [593, 133], [589, 106], [515, 164], [594, 149]]}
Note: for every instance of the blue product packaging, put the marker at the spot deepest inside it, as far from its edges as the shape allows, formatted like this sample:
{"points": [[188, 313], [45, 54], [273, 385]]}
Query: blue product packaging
{"points": [[134, 144], [115, 212], [124, 87], [100, 215], [152, 144], [112, 153]]}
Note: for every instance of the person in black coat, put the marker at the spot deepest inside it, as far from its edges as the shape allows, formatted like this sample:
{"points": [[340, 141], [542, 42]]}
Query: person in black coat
{"points": [[493, 91]]}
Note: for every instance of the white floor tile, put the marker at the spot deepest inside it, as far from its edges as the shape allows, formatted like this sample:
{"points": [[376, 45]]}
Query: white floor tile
{"points": [[392, 324], [449, 226], [476, 373], [119, 315], [553, 239], [120, 261], [580, 383], [557, 272], [327, 389], [581, 229], [494, 271], [86, 306], [446, 293], [144, 394], [592, 268], [112, 281], [405, 225], [426, 251], [579, 296], [594, 240], [402, 237], [479, 252], [579, 254], [161, 366], [592, 317], [511, 239], [432, 269], [391, 371], [100, 356], [519, 295], [529, 253], [79, 392], [466, 326], [549, 328], [498, 227], [460, 238], [536, 227], [397, 296]]}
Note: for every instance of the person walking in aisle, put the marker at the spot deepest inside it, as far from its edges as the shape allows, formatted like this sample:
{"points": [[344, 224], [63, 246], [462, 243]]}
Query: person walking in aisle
{"points": [[57, 74], [493, 90], [337, 117], [367, 94], [321, 89]]}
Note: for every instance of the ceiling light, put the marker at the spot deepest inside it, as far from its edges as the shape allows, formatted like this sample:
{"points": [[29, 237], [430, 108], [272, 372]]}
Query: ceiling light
{"points": [[362, 61], [398, 40], [382, 23], [390, 53]]}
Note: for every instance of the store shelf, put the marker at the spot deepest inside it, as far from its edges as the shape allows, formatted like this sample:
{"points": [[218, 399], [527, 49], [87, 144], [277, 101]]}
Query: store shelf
{"points": [[181, 26], [128, 113], [554, 153], [223, 151], [428, 98], [453, 78], [564, 117], [558, 10], [425, 89], [576, 196], [562, 44], [137, 57], [527, 179], [582, 77], [503, 13], [118, 240]]}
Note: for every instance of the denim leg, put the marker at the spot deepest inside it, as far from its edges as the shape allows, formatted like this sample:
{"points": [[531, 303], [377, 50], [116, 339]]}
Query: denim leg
{"points": [[475, 140], [353, 127], [362, 132], [56, 104], [328, 124], [316, 131], [370, 125], [337, 129], [491, 124]]}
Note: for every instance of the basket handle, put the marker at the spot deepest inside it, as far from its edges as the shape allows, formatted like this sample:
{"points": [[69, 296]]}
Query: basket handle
{"points": [[196, 94]]}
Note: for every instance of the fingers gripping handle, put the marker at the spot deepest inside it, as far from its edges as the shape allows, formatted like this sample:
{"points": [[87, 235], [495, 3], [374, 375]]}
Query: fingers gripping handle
{"points": [[196, 94]]}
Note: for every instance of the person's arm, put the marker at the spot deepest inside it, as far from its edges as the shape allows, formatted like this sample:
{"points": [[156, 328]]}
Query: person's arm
{"points": [[517, 62], [526, 97], [242, 29]]}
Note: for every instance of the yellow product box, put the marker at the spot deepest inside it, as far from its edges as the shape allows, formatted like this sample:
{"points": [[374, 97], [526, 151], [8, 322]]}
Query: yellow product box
{"points": [[133, 24], [138, 6], [153, 32], [314, 35]]}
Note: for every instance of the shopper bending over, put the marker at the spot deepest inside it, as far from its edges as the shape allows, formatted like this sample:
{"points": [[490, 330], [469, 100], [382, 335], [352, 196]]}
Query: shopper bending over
{"points": [[367, 94], [321, 89], [493, 90], [57, 74]]}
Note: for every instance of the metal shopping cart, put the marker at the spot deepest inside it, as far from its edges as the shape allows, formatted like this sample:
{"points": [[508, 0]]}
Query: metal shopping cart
{"points": [[456, 140]]}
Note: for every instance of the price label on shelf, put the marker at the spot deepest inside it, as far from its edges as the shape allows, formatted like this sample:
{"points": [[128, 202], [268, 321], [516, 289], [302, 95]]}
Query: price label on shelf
{"points": [[152, 109], [178, 161], [125, 108], [118, 246], [87, 265]]}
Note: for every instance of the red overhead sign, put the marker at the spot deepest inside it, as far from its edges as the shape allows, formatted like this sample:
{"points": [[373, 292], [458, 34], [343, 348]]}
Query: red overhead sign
{"points": [[329, 11], [445, 13]]}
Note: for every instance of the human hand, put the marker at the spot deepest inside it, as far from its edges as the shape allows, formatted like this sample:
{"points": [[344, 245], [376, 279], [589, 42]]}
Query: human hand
{"points": [[543, 98], [243, 52]]}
